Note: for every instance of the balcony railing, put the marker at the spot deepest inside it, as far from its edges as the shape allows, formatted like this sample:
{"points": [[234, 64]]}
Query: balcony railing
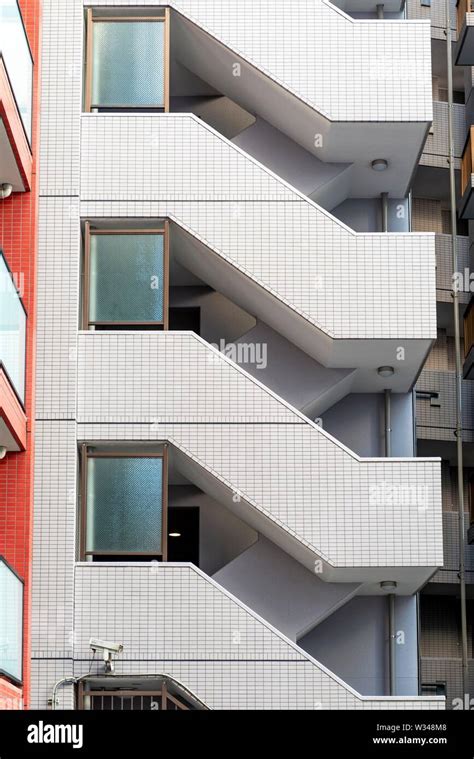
{"points": [[11, 622], [436, 148], [444, 266], [16, 54], [12, 331]]}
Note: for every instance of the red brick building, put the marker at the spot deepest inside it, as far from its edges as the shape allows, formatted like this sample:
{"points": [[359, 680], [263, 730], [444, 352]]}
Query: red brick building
{"points": [[19, 72]]}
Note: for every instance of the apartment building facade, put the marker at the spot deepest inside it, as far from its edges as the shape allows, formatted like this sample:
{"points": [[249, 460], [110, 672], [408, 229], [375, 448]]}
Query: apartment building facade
{"points": [[19, 71], [233, 312]]}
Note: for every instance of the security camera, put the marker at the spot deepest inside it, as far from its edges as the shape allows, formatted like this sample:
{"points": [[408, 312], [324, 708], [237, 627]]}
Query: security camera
{"points": [[104, 645], [107, 649], [3, 451], [6, 190]]}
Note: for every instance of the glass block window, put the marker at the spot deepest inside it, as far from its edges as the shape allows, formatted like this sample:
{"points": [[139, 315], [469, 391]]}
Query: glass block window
{"points": [[126, 278], [11, 622], [124, 504], [128, 64]]}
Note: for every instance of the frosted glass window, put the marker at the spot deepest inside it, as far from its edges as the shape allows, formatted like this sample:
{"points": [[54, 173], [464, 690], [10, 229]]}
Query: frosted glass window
{"points": [[11, 622], [126, 278], [128, 64], [12, 331], [124, 504]]}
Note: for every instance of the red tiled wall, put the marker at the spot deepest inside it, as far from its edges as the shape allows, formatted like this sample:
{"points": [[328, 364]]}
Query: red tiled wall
{"points": [[10, 695], [18, 239]]}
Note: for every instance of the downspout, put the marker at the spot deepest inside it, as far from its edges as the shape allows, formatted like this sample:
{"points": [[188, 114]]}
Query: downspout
{"points": [[379, 10], [391, 656], [418, 637], [391, 597], [384, 201], [457, 350], [388, 428]]}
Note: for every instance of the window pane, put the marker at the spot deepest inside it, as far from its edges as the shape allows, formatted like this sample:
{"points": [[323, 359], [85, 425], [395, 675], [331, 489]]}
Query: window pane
{"points": [[17, 58], [11, 622], [126, 278], [124, 504], [12, 331], [128, 63]]}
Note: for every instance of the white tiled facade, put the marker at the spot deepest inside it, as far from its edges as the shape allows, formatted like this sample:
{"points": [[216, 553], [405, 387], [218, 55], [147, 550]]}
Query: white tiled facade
{"points": [[297, 484]]}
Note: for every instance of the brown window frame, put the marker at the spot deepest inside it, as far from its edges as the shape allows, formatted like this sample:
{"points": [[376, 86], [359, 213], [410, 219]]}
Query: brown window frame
{"points": [[87, 324], [90, 21], [87, 454]]}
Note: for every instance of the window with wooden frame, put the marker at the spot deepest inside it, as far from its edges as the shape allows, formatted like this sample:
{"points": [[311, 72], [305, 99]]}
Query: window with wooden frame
{"points": [[124, 505], [127, 61], [126, 278]]}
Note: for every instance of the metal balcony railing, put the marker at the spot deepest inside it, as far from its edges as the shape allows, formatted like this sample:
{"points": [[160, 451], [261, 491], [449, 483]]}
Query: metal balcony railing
{"points": [[444, 266]]}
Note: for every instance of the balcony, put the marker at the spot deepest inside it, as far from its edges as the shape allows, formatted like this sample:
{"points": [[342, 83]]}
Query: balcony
{"points": [[12, 363], [465, 31], [435, 152], [469, 341], [436, 407], [444, 266], [16, 91], [11, 623]]}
